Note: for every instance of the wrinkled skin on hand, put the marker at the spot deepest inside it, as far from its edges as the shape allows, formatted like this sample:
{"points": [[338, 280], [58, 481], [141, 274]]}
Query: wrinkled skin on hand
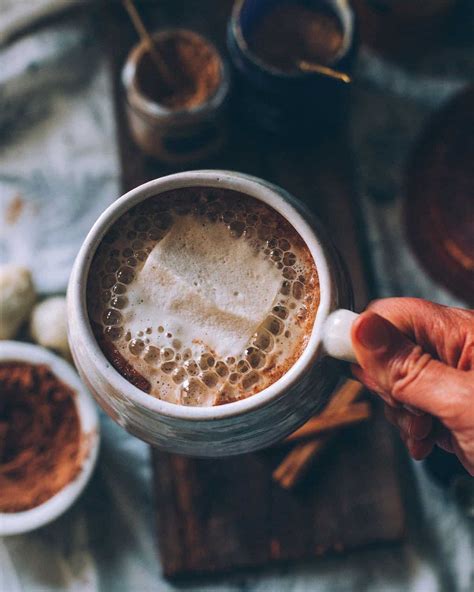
{"points": [[419, 357]]}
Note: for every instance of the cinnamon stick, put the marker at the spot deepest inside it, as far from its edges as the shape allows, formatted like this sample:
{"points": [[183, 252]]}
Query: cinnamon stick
{"points": [[145, 36], [326, 422], [344, 396], [299, 459]]}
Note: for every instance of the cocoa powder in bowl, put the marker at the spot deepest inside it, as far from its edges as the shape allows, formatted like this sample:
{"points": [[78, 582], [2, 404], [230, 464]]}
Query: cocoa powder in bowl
{"points": [[193, 66], [40, 435]]}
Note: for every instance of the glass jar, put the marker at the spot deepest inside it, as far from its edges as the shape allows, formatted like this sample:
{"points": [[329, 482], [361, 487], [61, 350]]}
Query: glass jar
{"points": [[177, 134]]}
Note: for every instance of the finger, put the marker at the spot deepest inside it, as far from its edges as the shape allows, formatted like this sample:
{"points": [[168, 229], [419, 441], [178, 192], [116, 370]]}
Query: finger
{"points": [[416, 427], [359, 374], [419, 449], [402, 370], [412, 316], [393, 415], [438, 329], [372, 386]]}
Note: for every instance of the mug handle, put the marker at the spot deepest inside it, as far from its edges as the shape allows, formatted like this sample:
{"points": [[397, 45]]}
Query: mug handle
{"points": [[337, 335]]}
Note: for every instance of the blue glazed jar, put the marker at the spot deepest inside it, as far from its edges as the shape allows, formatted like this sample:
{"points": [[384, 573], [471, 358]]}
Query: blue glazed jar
{"points": [[291, 104]]}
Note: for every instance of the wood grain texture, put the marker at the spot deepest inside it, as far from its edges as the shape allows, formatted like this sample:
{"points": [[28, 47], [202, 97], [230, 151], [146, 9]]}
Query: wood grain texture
{"points": [[294, 466], [218, 515]]}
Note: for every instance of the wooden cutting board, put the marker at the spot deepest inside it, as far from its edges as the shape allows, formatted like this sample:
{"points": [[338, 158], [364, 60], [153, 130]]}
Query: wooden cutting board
{"points": [[217, 515]]}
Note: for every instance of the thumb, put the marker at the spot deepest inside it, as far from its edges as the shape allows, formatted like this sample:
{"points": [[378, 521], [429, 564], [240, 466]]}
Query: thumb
{"points": [[399, 369]]}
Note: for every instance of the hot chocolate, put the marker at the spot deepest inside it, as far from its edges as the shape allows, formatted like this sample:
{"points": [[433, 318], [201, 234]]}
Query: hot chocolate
{"points": [[202, 296]]}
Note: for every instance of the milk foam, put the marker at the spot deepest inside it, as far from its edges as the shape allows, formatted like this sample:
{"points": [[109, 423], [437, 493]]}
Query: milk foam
{"points": [[203, 286], [209, 295]]}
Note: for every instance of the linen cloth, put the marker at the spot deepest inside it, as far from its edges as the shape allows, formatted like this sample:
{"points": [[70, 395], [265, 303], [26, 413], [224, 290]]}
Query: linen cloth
{"points": [[59, 169], [58, 159]]}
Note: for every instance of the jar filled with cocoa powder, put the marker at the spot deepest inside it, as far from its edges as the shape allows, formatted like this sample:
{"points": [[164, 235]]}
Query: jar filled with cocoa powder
{"points": [[181, 120], [267, 42]]}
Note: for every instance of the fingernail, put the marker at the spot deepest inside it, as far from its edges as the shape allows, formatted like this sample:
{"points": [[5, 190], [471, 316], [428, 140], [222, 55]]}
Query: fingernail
{"points": [[372, 332]]}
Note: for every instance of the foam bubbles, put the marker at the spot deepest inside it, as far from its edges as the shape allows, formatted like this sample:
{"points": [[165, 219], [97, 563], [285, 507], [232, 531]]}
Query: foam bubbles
{"points": [[125, 275], [113, 333], [221, 369], [167, 353], [187, 368], [168, 367], [250, 380], [210, 379], [273, 325], [179, 375], [191, 367], [119, 301], [136, 346], [151, 354], [263, 340], [195, 392], [111, 317]]}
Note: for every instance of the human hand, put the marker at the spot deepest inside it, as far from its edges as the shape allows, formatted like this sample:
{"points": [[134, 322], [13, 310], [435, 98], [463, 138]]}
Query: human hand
{"points": [[419, 357]]}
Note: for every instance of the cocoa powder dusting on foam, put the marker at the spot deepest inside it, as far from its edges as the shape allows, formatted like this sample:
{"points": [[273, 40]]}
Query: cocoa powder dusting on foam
{"points": [[40, 437], [196, 72]]}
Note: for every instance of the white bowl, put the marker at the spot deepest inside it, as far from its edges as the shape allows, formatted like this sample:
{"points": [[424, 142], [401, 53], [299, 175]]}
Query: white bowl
{"points": [[20, 522]]}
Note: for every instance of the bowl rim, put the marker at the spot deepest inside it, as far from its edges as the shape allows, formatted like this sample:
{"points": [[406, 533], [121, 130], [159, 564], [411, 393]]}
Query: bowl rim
{"points": [[278, 199], [20, 522]]}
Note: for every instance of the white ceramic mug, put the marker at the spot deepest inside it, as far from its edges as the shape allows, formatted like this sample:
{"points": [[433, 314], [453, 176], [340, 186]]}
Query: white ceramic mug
{"points": [[241, 426]]}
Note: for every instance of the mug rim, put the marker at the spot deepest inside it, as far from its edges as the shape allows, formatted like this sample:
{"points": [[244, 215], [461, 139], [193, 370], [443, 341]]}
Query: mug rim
{"points": [[273, 196]]}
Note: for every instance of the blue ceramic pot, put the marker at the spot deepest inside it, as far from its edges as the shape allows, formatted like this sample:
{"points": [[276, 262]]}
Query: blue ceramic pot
{"points": [[296, 104]]}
